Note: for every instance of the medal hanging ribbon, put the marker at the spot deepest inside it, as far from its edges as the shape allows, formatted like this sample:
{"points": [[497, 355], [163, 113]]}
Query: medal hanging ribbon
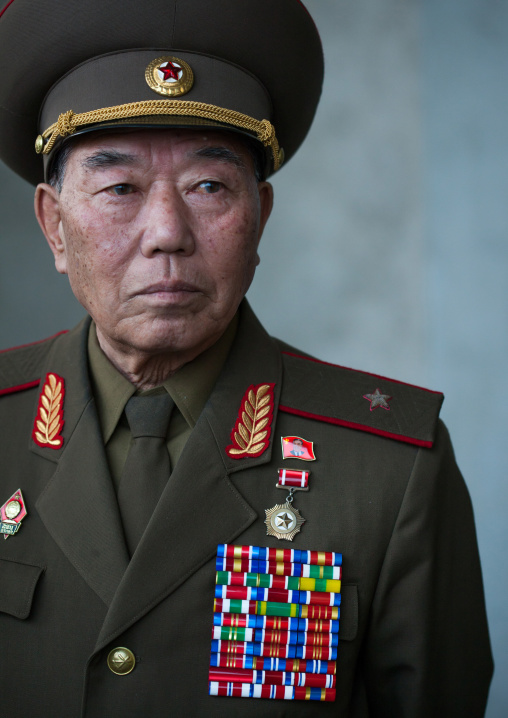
{"points": [[298, 480], [284, 521]]}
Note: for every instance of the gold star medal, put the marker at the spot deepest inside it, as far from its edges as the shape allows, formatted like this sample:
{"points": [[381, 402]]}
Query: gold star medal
{"points": [[284, 521]]}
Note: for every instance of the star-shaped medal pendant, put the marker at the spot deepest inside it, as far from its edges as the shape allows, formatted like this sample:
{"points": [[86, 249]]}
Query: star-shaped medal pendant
{"points": [[283, 521]]}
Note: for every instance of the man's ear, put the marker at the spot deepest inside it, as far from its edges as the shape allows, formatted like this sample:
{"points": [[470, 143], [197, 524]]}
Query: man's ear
{"points": [[47, 211], [265, 190]]}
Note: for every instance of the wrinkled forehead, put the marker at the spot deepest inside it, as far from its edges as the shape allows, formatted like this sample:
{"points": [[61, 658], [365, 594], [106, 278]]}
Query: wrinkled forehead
{"points": [[162, 148]]}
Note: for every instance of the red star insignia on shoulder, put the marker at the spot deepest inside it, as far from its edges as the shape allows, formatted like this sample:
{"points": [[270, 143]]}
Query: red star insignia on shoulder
{"points": [[377, 399]]}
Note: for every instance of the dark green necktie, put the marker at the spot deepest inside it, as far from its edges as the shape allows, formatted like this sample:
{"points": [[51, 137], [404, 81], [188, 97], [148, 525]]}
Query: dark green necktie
{"points": [[147, 466]]}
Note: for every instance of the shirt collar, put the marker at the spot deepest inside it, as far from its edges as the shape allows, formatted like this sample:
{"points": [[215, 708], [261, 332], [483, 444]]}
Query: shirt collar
{"points": [[189, 387]]}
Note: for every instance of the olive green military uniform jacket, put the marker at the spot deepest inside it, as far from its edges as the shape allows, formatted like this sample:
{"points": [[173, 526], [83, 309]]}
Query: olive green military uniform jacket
{"points": [[384, 491]]}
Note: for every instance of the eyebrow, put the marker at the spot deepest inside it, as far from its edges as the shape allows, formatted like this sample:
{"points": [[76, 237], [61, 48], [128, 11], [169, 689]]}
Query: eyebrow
{"points": [[108, 158], [223, 154]]}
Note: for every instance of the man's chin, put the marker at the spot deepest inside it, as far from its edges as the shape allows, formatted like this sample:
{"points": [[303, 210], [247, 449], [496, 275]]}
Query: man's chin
{"points": [[157, 334]]}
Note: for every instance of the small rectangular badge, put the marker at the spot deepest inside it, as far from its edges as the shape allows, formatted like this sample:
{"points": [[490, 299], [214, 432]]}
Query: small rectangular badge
{"points": [[294, 479], [295, 447]]}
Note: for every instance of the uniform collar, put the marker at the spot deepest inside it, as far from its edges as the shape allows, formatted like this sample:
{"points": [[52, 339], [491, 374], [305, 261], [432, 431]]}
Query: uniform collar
{"points": [[78, 505], [189, 387]]}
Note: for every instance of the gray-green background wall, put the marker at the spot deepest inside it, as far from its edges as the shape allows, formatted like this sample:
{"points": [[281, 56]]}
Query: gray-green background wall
{"points": [[388, 248]]}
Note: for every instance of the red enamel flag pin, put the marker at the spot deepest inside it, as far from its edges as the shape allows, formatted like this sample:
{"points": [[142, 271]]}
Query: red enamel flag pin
{"points": [[294, 447], [12, 514]]}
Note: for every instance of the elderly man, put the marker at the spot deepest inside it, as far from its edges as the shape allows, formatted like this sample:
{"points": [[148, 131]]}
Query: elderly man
{"points": [[151, 565]]}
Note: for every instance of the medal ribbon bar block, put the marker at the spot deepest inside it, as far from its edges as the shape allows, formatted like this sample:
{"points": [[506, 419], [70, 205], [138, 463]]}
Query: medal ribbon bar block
{"points": [[276, 621], [267, 580], [267, 635], [246, 690], [275, 650], [247, 593], [268, 608], [305, 570], [292, 665], [280, 555], [274, 678]]}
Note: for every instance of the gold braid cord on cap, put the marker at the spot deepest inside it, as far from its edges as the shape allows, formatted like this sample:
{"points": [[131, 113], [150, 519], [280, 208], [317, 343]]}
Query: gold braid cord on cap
{"points": [[68, 122]]}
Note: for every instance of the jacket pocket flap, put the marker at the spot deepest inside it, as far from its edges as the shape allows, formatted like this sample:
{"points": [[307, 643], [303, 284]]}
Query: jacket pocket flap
{"points": [[348, 623], [18, 581]]}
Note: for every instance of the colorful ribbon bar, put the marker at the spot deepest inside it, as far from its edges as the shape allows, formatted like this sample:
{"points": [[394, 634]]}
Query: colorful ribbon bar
{"points": [[276, 619], [248, 690], [304, 570], [280, 555], [282, 624], [293, 665], [275, 650], [268, 580], [278, 595], [294, 479], [274, 678], [261, 635], [264, 608]]}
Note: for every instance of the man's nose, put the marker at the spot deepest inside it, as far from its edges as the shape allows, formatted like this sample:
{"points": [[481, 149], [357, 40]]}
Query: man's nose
{"points": [[165, 222]]}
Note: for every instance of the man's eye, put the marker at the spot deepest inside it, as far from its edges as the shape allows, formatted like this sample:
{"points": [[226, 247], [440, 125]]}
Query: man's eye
{"points": [[209, 186], [121, 189]]}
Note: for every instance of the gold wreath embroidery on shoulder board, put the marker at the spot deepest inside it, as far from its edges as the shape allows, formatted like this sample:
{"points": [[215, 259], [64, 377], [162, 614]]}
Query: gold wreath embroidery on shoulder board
{"points": [[49, 420], [251, 434]]}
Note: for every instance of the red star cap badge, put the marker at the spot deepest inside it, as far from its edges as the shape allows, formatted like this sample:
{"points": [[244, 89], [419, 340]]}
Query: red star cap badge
{"points": [[170, 71]]}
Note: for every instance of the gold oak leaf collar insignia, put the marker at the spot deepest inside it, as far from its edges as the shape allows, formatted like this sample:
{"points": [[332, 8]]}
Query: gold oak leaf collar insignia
{"points": [[251, 433], [48, 425]]}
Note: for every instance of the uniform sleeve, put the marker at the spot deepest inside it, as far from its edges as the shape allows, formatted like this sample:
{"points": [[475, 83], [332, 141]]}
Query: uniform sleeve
{"points": [[427, 650]]}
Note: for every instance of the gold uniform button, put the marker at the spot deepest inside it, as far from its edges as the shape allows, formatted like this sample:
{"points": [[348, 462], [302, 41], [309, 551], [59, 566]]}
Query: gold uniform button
{"points": [[121, 661]]}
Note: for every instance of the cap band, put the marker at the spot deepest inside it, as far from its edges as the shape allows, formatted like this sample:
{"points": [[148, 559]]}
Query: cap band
{"points": [[68, 122]]}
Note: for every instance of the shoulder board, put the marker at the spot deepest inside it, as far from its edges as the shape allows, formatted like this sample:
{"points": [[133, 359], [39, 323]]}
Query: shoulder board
{"points": [[358, 400], [20, 367]]}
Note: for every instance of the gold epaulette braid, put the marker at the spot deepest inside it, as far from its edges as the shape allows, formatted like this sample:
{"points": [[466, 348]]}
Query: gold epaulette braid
{"points": [[68, 122]]}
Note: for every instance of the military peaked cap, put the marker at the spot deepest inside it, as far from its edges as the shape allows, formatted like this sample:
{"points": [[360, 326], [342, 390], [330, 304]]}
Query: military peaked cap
{"points": [[251, 66]]}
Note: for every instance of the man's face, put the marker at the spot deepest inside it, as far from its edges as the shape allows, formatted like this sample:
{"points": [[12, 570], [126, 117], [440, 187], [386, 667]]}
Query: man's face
{"points": [[158, 231]]}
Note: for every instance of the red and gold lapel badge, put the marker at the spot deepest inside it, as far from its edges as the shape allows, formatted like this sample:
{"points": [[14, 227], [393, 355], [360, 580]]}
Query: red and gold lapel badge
{"points": [[294, 447], [12, 514], [47, 431], [251, 433]]}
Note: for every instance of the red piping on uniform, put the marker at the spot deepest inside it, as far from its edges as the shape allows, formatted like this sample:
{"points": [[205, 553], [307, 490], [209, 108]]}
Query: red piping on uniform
{"points": [[5, 8], [367, 373], [354, 425], [20, 387], [31, 344]]}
